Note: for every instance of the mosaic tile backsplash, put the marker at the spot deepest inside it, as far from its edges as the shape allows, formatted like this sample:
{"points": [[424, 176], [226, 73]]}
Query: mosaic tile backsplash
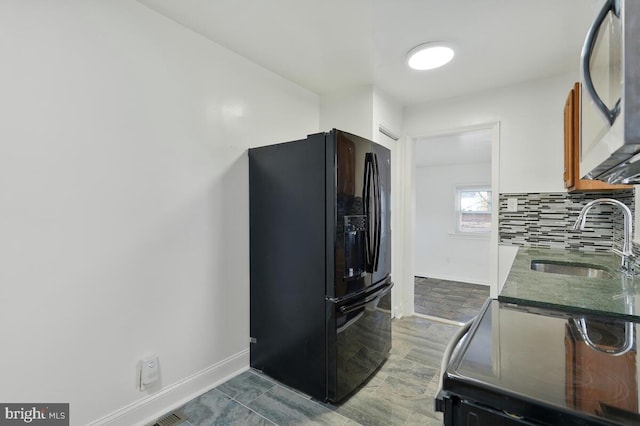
{"points": [[546, 220]]}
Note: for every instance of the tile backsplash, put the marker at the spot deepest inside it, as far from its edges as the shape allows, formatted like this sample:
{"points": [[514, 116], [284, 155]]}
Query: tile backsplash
{"points": [[546, 220]]}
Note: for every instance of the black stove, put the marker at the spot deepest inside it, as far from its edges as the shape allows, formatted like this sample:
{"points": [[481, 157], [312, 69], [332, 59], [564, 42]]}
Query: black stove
{"points": [[526, 365]]}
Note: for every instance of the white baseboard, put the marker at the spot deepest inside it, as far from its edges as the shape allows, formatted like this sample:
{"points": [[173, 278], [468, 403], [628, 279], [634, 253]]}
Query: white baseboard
{"points": [[452, 278], [148, 409]]}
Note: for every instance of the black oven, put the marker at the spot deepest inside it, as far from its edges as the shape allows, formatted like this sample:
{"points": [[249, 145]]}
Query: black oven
{"points": [[528, 365]]}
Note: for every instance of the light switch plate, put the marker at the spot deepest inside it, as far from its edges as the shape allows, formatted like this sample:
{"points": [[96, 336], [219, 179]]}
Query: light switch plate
{"points": [[512, 204]]}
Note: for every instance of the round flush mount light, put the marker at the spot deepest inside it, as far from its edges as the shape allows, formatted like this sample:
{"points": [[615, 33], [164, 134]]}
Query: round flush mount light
{"points": [[429, 56]]}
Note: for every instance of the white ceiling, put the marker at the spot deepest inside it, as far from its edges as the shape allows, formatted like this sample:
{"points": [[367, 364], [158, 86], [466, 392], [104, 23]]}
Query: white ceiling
{"points": [[331, 45]]}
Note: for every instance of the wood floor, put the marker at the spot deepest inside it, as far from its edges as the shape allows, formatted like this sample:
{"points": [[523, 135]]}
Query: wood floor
{"points": [[400, 393], [450, 300]]}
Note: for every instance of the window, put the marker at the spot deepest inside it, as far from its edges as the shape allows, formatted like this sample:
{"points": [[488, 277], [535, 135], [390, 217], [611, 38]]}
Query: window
{"points": [[473, 209]]}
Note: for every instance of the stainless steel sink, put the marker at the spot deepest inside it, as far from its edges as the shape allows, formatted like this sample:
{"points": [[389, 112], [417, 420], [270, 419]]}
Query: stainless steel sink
{"points": [[571, 268]]}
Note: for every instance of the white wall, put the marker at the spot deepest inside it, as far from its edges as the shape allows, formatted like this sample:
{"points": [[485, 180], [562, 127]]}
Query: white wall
{"points": [[530, 117], [361, 110], [387, 112], [439, 251], [124, 203], [348, 110], [531, 128]]}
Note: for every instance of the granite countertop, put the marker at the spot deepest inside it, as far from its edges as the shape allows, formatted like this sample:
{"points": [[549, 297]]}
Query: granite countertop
{"points": [[617, 296]]}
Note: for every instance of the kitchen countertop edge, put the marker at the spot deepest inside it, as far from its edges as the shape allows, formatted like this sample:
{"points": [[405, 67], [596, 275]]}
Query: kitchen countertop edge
{"points": [[618, 296]]}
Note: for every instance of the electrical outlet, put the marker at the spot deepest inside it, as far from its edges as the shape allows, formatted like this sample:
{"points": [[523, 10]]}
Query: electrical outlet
{"points": [[512, 204], [149, 372]]}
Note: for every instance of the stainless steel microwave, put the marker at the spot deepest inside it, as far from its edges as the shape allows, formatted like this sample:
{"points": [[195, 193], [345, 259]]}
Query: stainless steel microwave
{"points": [[610, 107]]}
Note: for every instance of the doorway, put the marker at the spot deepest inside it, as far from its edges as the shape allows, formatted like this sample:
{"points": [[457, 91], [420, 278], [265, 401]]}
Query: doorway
{"points": [[455, 223]]}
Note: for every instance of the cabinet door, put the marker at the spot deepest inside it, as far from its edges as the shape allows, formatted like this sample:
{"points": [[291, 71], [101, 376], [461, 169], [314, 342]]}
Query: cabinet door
{"points": [[572, 179], [569, 140]]}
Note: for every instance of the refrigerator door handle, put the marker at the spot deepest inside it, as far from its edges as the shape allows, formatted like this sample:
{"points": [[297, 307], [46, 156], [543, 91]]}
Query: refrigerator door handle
{"points": [[371, 298], [378, 212], [366, 200]]}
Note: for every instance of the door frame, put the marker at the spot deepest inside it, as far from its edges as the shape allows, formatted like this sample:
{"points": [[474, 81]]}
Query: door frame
{"points": [[406, 261]]}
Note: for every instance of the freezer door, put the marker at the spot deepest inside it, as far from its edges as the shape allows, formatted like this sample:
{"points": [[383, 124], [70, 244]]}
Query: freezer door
{"points": [[359, 340]]}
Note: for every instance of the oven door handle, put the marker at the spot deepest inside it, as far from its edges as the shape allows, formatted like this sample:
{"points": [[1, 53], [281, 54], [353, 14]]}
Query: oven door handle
{"points": [[446, 358], [587, 50], [377, 295]]}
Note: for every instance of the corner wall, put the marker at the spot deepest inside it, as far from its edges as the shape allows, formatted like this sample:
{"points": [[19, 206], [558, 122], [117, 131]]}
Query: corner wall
{"points": [[531, 128], [362, 110], [124, 204], [530, 117], [349, 110]]}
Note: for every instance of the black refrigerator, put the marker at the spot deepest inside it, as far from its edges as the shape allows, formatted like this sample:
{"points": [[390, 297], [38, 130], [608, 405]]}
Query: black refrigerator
{"points": [[320, 262]]}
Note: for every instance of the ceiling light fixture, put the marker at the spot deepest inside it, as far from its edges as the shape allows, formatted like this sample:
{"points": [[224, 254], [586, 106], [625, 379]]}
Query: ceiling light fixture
{"points": [[428, 56]]}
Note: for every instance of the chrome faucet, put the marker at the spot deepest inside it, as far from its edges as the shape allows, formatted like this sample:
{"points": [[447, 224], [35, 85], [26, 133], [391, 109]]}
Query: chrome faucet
{"points": [[616, 350], [627, 266]]}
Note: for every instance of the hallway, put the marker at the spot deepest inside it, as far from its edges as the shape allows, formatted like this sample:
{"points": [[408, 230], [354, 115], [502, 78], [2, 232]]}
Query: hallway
{"points": [[449, 300]]}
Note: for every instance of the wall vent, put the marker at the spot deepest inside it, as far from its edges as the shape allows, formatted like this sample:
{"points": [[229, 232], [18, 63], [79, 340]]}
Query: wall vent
{"points": [[173, 418], [388, 132]]}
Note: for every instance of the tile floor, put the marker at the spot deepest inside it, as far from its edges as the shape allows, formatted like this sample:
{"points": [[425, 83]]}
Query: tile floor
{"points": [[451, 300], [400, 393]]}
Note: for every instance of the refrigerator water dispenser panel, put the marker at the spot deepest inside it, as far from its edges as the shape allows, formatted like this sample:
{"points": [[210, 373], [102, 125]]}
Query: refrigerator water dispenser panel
{"points": [[355, 228]]}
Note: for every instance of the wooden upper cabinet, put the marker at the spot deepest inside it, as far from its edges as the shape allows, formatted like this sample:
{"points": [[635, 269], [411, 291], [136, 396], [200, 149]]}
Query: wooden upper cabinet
{"points": [[570, 139], [572, 175]]}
